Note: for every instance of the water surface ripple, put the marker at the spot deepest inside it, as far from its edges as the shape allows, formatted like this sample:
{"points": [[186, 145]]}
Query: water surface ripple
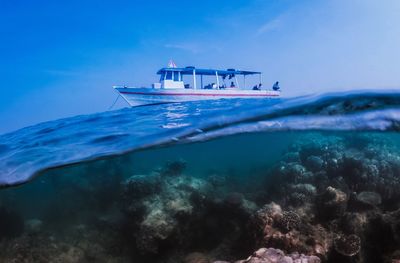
{"points": [[28, 151]]}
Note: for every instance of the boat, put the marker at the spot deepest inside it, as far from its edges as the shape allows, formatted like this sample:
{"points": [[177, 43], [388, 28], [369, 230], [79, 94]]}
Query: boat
{"points": [[172, 88]]}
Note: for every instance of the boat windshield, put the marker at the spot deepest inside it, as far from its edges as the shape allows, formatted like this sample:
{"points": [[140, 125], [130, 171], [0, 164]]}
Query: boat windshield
{"points": [[171, 75], [176, 76]]}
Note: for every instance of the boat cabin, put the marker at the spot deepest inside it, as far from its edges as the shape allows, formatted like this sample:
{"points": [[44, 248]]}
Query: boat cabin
{"points": [[172, 78]]}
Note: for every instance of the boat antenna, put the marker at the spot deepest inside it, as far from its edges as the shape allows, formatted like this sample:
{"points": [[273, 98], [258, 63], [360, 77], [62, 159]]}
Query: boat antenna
{"points": [[171, 64]]}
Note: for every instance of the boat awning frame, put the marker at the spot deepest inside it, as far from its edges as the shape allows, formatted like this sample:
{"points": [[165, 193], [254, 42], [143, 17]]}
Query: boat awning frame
{"points": [[207, 72]]}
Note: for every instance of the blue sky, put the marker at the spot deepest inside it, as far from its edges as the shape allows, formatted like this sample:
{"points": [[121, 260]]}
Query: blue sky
{"points": [[60, 59]]}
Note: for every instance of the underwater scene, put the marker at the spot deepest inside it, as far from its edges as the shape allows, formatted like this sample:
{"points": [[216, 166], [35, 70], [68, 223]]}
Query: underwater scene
{"points": [[307, 179]]}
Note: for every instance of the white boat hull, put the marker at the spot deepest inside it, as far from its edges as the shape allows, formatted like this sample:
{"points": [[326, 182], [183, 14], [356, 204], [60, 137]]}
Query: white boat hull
{"points": [[147, 96]]}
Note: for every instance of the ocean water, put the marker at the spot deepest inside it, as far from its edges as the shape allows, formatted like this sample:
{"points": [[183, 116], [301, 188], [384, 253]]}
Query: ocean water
{"points": [[206, 181]]}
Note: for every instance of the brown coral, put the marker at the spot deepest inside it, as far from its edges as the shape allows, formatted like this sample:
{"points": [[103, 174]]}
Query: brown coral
{"points": [[288, 221], [347, 245]]}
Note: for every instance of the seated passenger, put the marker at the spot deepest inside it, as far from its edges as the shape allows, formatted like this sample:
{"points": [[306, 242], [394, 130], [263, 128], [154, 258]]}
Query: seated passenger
{"points": [[276, 86], [233, 85], [211, 86], [255, 87]]}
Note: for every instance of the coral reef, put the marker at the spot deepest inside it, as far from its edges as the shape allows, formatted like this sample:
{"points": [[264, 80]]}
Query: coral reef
{"points": [[270, 255], [167, 209], [332, 203], [350, 204], [347, 245], [369, 198], [156, 204], [83, 244], [290, 232], [328, 199]]}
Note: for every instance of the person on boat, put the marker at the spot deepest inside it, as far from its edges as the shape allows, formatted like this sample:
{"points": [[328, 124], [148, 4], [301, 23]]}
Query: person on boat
{"points": [[233, 84], [276, 86]]}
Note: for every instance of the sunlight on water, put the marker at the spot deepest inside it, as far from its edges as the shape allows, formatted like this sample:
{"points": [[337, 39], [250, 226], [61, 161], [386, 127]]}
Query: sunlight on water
{"points": [[142, 186], [26, 152]]}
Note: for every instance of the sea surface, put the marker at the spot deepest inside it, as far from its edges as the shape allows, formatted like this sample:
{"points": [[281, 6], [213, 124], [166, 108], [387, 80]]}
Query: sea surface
{"points": [[189, 182]]}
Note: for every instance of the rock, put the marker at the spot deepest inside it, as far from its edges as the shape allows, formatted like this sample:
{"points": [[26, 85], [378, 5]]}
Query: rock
{"points": [[196, 257], [259, 253], [291, 157], [353, 223], [307, 189], [272, 255], [217, 180], [73, 254], [395, 224], [293, 172], [369, 198], [395, 257], [174, 168], [139, 186], [331, 204], [314, 163], [157, 226], [311, 149], [347, 245], [234, 199]]}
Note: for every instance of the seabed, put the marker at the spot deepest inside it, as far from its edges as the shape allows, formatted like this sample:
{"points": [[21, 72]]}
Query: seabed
{"points": [[289, 196]]}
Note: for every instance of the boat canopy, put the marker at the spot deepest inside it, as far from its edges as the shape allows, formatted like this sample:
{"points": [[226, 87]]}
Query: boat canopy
{"points": [[171, 77], [207, 72]]}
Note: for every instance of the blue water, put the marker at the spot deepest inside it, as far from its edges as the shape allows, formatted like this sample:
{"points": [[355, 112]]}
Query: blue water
{"points": [[202, 181], [25, 153]]}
